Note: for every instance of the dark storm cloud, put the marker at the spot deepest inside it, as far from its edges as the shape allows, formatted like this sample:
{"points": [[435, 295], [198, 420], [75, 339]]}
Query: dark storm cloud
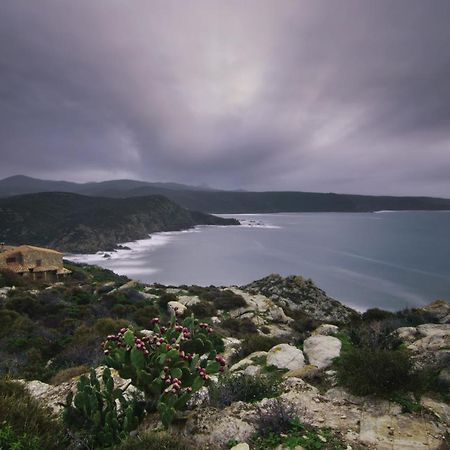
{"points": [[349, 96]]}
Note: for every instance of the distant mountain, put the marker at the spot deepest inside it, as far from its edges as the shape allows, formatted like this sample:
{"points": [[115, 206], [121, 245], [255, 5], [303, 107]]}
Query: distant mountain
{"points": [[231, 202], [77, 223], [21, 184]]}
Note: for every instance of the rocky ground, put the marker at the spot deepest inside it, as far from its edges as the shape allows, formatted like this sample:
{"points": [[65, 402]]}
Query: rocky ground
{"points": [[303, 359]]}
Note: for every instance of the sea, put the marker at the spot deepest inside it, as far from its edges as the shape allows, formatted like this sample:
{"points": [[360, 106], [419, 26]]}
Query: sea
{"points": [[386, 259]]}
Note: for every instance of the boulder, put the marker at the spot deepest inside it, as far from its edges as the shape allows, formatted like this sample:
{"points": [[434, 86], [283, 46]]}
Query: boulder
{"points": [[321, 350], [232, 346], [132, 284], [241, 446], [250, 360], [187, 300], [285, 356], [176, 308], [438, 310], [326, 329], [406, 334], [276, 314]]}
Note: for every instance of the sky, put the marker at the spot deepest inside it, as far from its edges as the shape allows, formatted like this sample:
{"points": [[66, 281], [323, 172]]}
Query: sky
{"points": [[350, 96]]}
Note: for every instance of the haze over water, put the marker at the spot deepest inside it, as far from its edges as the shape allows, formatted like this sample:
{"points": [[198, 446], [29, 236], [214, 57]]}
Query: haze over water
{"points": [[389, 260]]}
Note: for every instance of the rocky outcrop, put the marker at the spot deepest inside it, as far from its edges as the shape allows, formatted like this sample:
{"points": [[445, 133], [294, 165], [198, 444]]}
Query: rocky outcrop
{"points": [[438, 311], [322, 350], [285, 356], [367, 422], [429, 344], [300, 294]]}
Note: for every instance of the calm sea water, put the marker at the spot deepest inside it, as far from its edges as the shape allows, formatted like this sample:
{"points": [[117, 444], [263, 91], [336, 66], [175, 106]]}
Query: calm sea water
{"points": [[389, 260]]}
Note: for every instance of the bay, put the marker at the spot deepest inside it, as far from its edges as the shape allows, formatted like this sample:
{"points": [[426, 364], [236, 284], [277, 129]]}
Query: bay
{"points": [[391, 260]]}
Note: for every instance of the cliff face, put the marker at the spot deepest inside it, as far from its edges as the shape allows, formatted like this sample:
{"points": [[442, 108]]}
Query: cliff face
{"points": [[76, 223]]}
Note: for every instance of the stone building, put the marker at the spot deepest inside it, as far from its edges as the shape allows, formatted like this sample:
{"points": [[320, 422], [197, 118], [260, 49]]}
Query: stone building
{"points": [[35, 263]]}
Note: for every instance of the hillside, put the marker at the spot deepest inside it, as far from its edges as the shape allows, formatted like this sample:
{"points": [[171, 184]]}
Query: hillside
{"points": [[78, 223], [325, 378], [227, 202]]}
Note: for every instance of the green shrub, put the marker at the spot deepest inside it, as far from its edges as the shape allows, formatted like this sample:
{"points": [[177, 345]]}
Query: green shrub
{"points": [[10, 278], [204, 309], [239, 327], [298, 435], [166, 298], [376, 314], [257, 342], [153, 441], [143, 316], [8, 319], [240, 387], [107, 325], [375, 371], [68, 374], [227, 300], [22, 415], [94, 411], [10, 440]]}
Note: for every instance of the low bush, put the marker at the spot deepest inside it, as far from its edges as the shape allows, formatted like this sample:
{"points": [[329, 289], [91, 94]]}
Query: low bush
{"points": [[9, 439], [240, 387], [204, 309], [22, 415], [108, 325], [375, 371], [10, 278], [376, 314], [299, 435], [68, 374], [228, 300], [257, 342], [166, 298], [239, 327], [153, 441]]}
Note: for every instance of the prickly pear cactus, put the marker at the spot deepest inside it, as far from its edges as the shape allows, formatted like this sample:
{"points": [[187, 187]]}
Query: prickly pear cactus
{"points": [[169, 365], [100, 410]]}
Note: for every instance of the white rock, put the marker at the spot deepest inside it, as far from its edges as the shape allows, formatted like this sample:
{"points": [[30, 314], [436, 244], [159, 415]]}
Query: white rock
{"points": [[285, 356], [187, 300], [176, 308], [326, 329], [321, 350], [241, 446], [434, 329], [406, 334], [248, 361], [277, 315]]}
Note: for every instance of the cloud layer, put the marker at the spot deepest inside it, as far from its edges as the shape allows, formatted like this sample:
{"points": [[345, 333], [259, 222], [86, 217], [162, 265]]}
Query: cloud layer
{"points": [[349, 96]]}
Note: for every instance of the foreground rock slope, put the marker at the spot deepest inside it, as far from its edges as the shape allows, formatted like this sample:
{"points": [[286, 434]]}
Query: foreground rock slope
{"points": [[278, 342]]}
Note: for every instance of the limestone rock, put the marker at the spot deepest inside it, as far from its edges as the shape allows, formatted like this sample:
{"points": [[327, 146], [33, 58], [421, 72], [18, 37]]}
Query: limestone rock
{"points": [[277, 315], [326, 329], [187, 300], [176, 308], [285, 356], [250, 360], [232, 347], [241, 446], [130, 285], [406, 334], [321, 350], [440, 310]]}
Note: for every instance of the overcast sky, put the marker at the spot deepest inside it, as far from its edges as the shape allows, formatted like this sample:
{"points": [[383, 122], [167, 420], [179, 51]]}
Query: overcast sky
{"points": [[344, 96]]}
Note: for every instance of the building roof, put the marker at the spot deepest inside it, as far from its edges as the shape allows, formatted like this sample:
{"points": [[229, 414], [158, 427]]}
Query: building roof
{"points": [[28, 248]]}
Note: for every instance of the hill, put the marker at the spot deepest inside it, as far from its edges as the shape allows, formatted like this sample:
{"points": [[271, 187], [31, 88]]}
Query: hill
{"points": [[78, 223], [231, 202]]}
